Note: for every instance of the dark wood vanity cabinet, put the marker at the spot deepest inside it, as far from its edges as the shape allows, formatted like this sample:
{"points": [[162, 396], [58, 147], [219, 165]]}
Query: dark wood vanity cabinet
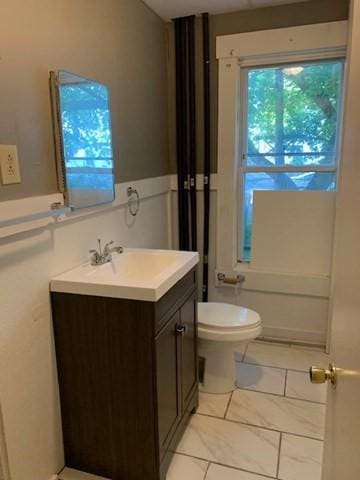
{"points": [[128, 377]]}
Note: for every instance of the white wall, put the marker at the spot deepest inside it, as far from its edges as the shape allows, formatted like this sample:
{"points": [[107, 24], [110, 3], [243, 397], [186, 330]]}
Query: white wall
{"points": [[289, 312], [28, 381]]}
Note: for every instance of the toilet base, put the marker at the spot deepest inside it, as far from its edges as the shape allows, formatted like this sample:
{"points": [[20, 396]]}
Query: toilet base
{"points": [[219, 370], [222, 329]]}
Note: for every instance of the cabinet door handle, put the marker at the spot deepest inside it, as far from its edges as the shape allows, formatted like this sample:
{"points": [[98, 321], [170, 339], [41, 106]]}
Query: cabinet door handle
{"points": [[180, 329]]}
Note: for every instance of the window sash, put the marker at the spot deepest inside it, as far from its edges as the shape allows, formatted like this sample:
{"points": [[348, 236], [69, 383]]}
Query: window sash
{"points": [[311, 159], [241, 172], [243, 167], [243, 94], [290, 168]]}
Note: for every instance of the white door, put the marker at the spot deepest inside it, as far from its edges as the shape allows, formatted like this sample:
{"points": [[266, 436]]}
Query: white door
{"points": [[4, 467], [342, 439]]}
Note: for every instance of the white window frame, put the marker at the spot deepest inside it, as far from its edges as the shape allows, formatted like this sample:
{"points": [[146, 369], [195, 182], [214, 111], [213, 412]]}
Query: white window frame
{"points": [[235, 52], [243, 168]]}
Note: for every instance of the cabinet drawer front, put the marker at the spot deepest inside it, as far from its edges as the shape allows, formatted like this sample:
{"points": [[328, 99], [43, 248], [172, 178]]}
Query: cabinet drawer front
{"points": [[173, 299]]}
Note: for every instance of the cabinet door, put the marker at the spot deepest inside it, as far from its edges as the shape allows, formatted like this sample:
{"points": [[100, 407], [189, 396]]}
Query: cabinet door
{"points": [[167, 367], [189, 354]]}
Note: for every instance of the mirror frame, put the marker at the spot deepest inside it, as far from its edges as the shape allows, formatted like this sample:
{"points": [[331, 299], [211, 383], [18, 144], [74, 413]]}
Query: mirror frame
{"points": [[60, 160]]}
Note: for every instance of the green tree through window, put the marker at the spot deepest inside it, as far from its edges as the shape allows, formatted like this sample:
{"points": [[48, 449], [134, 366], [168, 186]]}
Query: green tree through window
{"points": [[87, 135], [291, 120]]}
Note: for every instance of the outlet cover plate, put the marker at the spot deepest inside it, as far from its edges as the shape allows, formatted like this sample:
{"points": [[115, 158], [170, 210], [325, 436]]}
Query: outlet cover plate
{"points": [[9, 165]]}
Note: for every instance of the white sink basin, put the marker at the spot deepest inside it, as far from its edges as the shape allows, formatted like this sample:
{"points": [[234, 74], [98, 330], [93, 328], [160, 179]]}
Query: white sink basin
{"points": [[137, 274]]}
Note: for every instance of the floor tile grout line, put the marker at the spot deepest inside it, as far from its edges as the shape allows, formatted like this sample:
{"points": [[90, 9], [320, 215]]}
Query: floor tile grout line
{"points": [[283, 395], [228, 405], [279, 453], [306, 400], [238, 469], [286, 370], [258, 391], [260, 365], [280, 396], [248, 389], [273, 366], [207, 470], [261, 427]]}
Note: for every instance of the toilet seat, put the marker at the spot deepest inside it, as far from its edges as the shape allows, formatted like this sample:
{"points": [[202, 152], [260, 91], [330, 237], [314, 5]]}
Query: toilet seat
{"points": [[224, 322]]}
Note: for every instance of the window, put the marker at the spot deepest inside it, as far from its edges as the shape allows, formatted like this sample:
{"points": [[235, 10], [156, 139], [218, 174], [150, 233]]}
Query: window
{"points": [[289, 131]]}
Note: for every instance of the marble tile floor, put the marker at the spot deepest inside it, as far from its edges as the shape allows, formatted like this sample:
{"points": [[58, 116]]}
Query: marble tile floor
{"points": [[270, 427]]}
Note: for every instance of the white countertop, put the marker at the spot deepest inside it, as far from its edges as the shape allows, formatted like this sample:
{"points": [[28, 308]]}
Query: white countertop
{"points": [[136, 274]]}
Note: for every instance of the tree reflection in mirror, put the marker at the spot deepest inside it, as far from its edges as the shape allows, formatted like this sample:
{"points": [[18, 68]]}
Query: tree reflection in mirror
{"points": [[83, 139]]}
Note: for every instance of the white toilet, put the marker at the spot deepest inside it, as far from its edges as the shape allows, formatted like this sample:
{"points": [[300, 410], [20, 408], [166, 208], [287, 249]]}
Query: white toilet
{"points": [[222, 328]]}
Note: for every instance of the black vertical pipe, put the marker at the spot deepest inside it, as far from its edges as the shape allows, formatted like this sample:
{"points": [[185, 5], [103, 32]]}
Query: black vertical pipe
{"points": [[185, 128], [181, 137], [192, 130], [207, 153]]}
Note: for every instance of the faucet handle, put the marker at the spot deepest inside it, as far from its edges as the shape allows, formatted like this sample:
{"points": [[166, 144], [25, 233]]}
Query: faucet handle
{"points": [[94, 256], [107, 246]]}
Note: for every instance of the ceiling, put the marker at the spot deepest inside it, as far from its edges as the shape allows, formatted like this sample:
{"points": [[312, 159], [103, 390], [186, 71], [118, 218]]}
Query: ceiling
{"points": [[168, 9]]}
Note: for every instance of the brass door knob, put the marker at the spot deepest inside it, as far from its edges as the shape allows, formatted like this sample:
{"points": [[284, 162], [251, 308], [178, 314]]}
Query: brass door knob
{"points": [[322, 375]]}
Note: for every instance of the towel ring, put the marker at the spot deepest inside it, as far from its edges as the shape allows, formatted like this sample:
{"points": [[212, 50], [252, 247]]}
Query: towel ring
{"points": [[133, 209]]}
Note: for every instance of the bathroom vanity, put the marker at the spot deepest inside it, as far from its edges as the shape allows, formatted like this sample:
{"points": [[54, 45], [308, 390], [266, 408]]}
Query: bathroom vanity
{"points": [[126, 349]]}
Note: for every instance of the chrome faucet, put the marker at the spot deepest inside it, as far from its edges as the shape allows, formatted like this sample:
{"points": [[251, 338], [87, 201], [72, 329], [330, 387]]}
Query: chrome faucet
{"points": [[100, 257]]}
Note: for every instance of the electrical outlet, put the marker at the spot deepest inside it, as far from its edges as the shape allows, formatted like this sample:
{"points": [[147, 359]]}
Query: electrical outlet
{"points": [[9, 165]]}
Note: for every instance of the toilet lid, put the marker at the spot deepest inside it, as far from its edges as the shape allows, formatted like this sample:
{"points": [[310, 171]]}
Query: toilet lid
{"points": [[224, 315]]}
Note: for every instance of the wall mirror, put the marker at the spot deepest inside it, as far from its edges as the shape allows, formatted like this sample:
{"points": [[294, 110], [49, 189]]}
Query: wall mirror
{"points": [[83, 139]]}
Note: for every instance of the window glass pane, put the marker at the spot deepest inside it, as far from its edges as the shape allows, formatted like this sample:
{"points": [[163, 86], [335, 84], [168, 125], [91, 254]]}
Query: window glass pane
{"points": [[292, 114], [278, 181]]}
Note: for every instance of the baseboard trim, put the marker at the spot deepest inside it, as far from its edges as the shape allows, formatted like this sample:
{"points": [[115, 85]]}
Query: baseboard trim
{"points": [[295, 336]]}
